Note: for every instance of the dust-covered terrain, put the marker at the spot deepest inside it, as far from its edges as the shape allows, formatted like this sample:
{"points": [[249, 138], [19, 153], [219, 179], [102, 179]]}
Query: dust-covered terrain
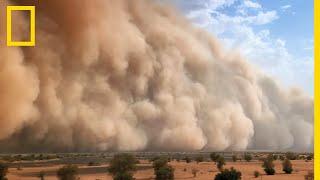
{"points": [[94, 166]]}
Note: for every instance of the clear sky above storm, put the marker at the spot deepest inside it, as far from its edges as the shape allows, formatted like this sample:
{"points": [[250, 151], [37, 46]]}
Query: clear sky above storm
{"points": [[276, 35]]}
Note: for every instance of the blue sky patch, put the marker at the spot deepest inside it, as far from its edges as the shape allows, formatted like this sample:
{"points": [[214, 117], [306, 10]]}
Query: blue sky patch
{"points": [[275, 35]]}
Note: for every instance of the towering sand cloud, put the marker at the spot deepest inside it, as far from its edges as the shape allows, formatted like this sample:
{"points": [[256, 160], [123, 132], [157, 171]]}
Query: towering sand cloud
{"points": [[135, 75]]}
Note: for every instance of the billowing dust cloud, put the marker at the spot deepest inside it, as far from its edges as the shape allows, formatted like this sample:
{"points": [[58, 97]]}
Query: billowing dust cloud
{"points": [[135, 75]]}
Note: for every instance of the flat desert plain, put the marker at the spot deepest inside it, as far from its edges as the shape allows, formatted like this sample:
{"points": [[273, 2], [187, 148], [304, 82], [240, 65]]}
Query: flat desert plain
{"points": [[207, 170]]}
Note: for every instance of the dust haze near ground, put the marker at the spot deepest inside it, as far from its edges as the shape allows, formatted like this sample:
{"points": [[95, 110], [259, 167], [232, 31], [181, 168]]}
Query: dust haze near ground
{"points": [[136, 75]]}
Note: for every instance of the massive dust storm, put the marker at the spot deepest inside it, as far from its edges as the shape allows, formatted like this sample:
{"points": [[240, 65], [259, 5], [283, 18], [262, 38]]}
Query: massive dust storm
{"points": [[124, 75]]}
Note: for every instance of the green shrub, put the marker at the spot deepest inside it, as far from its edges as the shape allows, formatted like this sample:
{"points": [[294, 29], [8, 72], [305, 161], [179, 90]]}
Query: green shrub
{"points": [[287, 166], [268, 166], [123, 176], [214, 157], [165, 173], [227, 174], [256, 174], [247, 157], [122, 166], [220, 163], [161, 162], [68, 172], [162, 170]]}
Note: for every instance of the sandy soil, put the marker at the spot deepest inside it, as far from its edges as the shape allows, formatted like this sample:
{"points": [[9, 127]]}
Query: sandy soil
{"points": [[207, 170]]}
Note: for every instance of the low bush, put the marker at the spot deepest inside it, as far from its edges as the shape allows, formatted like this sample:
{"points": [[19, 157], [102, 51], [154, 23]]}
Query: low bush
{"points": [[162, 170], [165, 173], [220, 163], [123, 176], [268, 166], [214, 157], [287, 166], [160, 162], [247, 157], [68, 172], [256, 174], [122, 166], [227, 174]]}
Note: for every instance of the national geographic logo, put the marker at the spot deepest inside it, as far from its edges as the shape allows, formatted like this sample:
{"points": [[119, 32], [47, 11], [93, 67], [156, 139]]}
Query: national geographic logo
{"points": [[32, 39]]}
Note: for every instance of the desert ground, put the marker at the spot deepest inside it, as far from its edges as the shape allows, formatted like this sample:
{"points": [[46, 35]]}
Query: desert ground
{"points": [[27, 170]]}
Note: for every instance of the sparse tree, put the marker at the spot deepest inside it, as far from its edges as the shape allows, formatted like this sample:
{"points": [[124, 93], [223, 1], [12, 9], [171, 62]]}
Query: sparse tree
{"points": [[3, 171], [214, 157], [68, 172], [227, 174], [287, 166], [247, 157], [162, 170], [165, 173], [220, 163], [160, 162], [282, 158], [123, 176], [268, 166], [122, 166]]}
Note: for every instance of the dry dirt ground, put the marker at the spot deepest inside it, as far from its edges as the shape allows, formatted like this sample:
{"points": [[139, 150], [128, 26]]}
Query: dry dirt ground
{"points": [[207, 170]]}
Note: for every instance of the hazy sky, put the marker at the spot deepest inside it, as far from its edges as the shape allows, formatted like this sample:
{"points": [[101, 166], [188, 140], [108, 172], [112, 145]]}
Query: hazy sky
{"points": [[276, 35]]}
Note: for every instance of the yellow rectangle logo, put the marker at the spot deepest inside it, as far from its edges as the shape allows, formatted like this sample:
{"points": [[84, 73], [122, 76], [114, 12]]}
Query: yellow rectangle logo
{"points": [[32, 26]]}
